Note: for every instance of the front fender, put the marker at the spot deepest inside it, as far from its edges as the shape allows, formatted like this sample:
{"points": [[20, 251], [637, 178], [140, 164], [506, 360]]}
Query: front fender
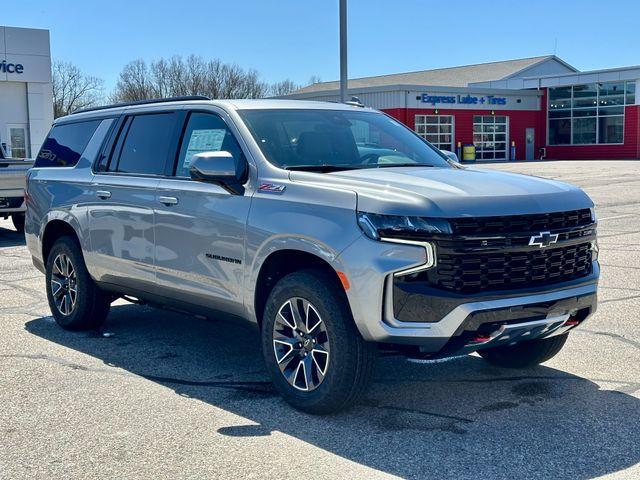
{"points": [[306, 218], [279, 243]]}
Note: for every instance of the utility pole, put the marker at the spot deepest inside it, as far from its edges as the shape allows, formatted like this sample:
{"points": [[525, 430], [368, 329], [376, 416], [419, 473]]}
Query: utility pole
{"points": [[343, 50]]}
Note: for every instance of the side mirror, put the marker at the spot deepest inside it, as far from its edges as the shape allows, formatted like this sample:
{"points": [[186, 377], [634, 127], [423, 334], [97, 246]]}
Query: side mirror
{"points": [[220, 168], [451, 156]]}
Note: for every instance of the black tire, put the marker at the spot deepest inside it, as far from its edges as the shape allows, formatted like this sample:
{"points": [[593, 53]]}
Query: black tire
{"points": [[524, 354], [351, 360], [18, 221], [91, 304]]}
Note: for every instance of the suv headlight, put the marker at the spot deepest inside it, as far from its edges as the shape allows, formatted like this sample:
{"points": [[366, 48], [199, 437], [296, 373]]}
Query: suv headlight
{"points": [[379, 227]]}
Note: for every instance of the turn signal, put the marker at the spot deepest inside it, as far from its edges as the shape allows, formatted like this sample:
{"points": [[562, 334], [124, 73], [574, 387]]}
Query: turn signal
{"points": [[344, 280]]}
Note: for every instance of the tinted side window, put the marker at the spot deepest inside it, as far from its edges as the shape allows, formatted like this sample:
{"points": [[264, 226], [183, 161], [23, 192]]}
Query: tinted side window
{"points": [[65, 143], [146, 146], [205, 132]]}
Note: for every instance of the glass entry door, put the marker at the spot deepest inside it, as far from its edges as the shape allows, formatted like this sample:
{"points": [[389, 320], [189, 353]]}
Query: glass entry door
{"points": [[18, 141], [491, 137]]}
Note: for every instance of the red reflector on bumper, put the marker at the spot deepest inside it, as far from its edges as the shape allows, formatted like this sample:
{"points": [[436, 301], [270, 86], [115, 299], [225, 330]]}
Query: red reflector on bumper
{"points": [[481, 338]]}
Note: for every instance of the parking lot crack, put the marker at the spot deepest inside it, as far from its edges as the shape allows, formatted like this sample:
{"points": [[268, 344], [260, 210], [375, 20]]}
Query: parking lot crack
{"points": [[615, 336], [238, 384], [424, 412]]}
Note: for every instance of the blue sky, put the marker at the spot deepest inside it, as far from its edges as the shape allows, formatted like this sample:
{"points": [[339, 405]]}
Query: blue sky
{"points": [[299, 38]]}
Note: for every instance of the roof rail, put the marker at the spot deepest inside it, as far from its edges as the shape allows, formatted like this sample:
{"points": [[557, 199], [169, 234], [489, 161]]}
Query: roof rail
{"points": [[142, 102]]}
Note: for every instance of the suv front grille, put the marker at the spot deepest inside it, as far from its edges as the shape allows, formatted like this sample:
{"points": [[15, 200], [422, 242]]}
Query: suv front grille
{"points": [[487, 254], [477, 272]]}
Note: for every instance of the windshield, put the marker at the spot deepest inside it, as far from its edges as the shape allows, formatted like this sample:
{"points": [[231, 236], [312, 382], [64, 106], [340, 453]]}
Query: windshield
{"points": [[328, 140]]}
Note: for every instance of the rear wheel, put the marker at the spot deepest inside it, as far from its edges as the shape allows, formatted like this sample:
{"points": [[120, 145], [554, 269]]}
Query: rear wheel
{"points": [[525, 354], [18, 221], [313, 351], [74, 299]]}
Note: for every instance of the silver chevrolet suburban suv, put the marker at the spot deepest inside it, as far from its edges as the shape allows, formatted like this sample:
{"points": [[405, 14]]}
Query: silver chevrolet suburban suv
{"points": [[335, 228]]}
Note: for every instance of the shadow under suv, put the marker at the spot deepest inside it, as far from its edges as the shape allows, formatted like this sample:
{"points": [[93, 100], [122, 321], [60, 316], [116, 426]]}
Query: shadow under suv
{"points": [[334, 227]]}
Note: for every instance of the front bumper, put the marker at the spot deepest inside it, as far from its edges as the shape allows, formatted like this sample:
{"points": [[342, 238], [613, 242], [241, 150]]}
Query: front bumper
{"points": [[454, 320], [458, 329]]}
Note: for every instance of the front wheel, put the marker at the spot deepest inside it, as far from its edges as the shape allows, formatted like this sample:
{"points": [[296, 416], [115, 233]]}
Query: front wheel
{"points": [[313, 351], [525, 354]]}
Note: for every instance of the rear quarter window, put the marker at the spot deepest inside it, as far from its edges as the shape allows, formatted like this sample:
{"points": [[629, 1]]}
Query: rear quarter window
{"points": [[65, 143]]}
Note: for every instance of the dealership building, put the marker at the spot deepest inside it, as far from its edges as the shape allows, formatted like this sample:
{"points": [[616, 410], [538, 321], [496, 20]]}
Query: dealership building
{"points": [[26, 99], [520, 109]]}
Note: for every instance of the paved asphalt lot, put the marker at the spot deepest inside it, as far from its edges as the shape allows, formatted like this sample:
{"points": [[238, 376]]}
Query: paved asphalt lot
{"points": [[169, 396]]}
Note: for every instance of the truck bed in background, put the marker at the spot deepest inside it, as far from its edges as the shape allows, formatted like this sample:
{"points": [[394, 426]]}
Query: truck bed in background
{"points": [[12, 181]]}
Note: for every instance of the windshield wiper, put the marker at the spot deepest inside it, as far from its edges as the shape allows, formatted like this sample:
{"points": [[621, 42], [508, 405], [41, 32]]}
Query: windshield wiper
{"points": [[387, 165], [322, 168], [338, 168]]}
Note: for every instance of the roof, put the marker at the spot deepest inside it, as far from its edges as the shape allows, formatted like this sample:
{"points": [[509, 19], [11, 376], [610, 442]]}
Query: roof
{"points": [[446, 77]]}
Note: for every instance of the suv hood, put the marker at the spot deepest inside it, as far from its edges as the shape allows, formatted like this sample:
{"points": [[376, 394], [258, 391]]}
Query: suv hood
{"points": [[450, 192]]}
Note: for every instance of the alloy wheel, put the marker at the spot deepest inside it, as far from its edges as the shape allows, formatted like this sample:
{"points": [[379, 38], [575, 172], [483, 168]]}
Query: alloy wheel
{"points": [[301, 344], [64, 285]]}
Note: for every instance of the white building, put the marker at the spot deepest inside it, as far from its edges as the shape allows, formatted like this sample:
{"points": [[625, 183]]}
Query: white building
{"points": [[26, 98]]}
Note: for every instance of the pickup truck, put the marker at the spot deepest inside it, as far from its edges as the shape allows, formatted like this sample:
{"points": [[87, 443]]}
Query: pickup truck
{"points": [[13, 172], [334, 228]]}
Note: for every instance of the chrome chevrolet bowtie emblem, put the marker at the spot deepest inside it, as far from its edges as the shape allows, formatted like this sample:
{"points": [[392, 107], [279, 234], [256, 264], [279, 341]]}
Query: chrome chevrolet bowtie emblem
{"points": [[543, 239]]}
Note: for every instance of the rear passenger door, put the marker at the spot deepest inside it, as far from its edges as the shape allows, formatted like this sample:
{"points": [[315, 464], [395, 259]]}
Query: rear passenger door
{"points": [[121, 219], [200, 227]]}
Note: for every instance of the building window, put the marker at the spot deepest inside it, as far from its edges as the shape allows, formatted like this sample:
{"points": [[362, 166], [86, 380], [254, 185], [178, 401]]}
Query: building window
{"points": [[589, 114], [436, 129], [560, 131], [584, 131], [490, 136], [18, 139], [631, 93], [610, 129]]}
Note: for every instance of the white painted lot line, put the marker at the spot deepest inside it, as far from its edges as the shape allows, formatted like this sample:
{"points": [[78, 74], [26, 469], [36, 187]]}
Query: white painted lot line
{"points": [[618, 216]]}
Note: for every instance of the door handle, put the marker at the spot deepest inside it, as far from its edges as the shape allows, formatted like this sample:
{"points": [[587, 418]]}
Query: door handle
{"points": [[104, 194], [168, 200]]}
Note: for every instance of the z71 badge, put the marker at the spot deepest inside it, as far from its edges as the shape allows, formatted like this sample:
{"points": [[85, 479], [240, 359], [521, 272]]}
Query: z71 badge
{"points": [[271, 188]]}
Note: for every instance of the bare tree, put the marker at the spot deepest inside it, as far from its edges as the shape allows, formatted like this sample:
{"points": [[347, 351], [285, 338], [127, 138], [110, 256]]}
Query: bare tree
{"points": [[284, 87], [134, 83], [314, 79], [178, 76], [73, 90]]}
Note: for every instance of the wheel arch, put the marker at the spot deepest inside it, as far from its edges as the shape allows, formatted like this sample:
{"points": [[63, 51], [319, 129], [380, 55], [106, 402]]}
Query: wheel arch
{"points": [[54, 228], [281, 262]]}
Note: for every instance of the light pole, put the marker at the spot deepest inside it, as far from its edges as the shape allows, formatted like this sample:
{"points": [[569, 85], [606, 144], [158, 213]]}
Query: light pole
{"points": [[343, 50]]}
